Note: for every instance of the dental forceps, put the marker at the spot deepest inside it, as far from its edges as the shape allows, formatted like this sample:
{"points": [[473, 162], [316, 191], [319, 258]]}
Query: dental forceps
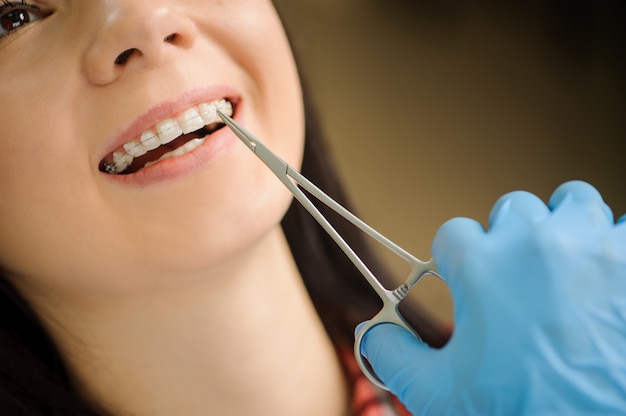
{"points": [[293, 180]]}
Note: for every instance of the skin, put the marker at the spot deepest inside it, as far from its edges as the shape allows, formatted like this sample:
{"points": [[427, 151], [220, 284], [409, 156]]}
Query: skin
{"points": [[177, 296]]}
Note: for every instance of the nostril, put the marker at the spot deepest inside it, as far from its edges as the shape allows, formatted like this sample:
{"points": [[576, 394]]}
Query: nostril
{"points": [[123, 57]]}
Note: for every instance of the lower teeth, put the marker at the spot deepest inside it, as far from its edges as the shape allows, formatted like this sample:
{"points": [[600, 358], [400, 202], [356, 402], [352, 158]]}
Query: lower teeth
{"points": [[184, 149]]}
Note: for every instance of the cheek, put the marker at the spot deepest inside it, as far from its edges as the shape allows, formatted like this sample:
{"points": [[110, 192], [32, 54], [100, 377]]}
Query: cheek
{"points": [[281, 97], [260, 47], [48, 199], [32, 140], [50, 230], [46, 205]]}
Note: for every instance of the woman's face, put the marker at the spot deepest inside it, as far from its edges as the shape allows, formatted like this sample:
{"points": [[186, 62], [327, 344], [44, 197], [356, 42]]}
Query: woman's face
{"points": [[79, 80]]}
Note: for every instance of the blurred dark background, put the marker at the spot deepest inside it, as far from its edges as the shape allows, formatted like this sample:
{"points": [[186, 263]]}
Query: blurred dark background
{"points": [[436, 108]]}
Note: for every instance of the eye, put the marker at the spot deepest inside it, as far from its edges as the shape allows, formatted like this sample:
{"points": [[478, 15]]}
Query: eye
{"points": [[15, 15]]}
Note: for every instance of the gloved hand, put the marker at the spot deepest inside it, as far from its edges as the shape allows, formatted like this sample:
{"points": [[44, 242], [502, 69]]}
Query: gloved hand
{"points": [[540, 314]]}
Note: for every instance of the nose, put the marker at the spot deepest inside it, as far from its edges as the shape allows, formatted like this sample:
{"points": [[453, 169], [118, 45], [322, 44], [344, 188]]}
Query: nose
{"points": [[134, 34]]}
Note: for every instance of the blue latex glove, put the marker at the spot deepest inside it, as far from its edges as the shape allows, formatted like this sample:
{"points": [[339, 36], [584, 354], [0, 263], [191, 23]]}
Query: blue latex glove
{"points": [[540, 314]]}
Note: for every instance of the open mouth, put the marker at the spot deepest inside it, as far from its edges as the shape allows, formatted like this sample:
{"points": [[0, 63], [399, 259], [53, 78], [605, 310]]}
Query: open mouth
{"points": [[169, 138]]}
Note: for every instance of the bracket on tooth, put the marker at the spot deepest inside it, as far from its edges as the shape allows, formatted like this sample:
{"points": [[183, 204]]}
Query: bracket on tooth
{"points": [[110, 168]]}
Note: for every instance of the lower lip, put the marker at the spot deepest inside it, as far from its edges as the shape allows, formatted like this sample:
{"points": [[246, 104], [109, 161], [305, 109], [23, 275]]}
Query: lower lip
{"points": [[215, 145]]}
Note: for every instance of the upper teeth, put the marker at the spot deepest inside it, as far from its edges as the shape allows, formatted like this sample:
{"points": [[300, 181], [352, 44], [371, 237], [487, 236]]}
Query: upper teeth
{"points": [[168, 130]]}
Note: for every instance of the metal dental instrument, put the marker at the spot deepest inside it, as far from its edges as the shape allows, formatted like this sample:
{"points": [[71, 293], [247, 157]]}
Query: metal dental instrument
{"points": [[391, 298]]}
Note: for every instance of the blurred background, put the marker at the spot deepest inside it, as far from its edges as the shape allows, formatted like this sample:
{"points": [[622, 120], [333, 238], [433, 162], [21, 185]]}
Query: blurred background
{"points": [[434, 109]]}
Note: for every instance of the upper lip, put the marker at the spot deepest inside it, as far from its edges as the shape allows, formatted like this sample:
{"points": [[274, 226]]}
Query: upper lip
{"points": [[167, 109]]}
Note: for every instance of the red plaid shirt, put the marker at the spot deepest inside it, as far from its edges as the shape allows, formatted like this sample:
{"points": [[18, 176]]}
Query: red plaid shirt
{"points": [[367, 399]]}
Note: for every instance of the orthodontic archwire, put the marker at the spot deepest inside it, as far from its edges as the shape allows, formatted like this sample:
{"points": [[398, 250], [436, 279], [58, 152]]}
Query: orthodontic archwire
{"points": [[111, 167], [203, 112]]}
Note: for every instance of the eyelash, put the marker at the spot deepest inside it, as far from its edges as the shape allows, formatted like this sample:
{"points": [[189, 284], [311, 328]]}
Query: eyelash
{"points": [[8, 6]]}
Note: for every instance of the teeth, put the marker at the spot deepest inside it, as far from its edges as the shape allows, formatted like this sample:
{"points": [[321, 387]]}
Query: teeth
{"points": [[150, 140], [192, 144], [186, 148], [122, 161], [208, 113], [168, 130], [135, 149], [190, 121]]}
